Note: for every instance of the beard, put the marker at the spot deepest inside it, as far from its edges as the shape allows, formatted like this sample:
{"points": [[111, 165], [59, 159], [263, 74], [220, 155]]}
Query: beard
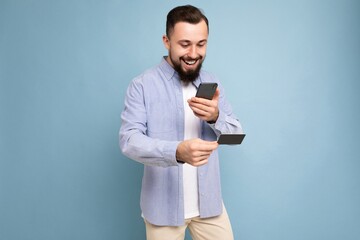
{"points": [[190, 75]]}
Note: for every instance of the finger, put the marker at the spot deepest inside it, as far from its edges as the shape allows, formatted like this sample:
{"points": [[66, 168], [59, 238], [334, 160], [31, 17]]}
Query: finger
{"points": [[205, 118], [203, 110], [203, 101], [216, 95], [199, 112], [197, 107], [202, 117], [202, 145], [198, 161], [203, 154], [207, 146], [200, 155], [198, 164], [202, 107], [195, 159]]}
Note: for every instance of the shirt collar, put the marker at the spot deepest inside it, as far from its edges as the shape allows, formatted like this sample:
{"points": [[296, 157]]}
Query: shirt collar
{"points": [[167, 69]]}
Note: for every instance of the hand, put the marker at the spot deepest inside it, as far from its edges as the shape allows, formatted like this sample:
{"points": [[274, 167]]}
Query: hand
{"points": [[195, 152], [205, 109]]}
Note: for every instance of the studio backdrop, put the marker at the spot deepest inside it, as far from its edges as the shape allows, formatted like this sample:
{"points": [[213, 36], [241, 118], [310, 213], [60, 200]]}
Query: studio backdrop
{"points": [[290, 69]]}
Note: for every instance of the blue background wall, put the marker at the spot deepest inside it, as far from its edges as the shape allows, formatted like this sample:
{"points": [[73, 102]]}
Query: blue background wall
{"points": [[290, 68]]}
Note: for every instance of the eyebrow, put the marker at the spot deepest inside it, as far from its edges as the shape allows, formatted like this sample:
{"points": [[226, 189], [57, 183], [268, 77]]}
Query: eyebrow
{"points": [[188, 41]]}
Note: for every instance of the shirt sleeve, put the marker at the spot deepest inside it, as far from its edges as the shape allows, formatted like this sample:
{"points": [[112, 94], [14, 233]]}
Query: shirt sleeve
{"points": [[227, 122], [133, 141]]}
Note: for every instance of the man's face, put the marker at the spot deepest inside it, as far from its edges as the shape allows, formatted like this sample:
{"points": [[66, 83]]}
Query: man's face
{"points": [[187, 48]]}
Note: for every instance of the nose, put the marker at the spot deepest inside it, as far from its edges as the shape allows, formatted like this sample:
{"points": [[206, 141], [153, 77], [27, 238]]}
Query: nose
{"points": [[192, 52]]}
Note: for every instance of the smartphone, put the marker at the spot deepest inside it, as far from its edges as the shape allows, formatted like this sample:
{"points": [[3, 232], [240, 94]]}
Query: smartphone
{"points": [[206, 90], [231, 139]]}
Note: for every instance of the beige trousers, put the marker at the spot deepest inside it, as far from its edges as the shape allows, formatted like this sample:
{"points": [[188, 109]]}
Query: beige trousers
{"points": [[214, 228]]}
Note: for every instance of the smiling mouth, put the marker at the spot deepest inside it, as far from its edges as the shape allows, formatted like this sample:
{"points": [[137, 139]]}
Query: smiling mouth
{"points": [[190, 62]]}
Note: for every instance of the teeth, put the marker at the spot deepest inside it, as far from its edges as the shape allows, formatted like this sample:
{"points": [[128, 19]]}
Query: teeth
{"points": [[190, 62]]}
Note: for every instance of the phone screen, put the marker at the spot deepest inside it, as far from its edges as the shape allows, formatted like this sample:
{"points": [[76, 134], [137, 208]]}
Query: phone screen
{"points": [[206, 90]]}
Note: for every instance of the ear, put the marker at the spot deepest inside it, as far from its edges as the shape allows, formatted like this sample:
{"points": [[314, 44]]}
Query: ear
{"points": [[166, 42]]}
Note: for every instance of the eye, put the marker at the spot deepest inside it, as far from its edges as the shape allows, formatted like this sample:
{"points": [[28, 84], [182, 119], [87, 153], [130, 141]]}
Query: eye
{"points": [[202, 44]]}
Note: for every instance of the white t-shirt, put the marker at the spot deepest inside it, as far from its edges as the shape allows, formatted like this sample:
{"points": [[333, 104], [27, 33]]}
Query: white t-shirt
{"points": [[192, 128]]}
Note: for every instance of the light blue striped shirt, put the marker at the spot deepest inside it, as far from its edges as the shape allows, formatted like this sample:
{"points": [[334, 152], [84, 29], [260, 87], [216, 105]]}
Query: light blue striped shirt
{"points": [[152, 127]]}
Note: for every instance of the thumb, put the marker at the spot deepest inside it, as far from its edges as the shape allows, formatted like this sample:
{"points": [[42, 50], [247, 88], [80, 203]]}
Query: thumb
{"points": [[216, 95]]}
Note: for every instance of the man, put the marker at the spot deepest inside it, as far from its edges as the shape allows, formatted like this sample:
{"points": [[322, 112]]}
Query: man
{"points": [[174, 135]]}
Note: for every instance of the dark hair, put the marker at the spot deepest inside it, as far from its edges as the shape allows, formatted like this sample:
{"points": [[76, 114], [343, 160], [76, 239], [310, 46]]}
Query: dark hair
{"points": [[187, 13]]}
